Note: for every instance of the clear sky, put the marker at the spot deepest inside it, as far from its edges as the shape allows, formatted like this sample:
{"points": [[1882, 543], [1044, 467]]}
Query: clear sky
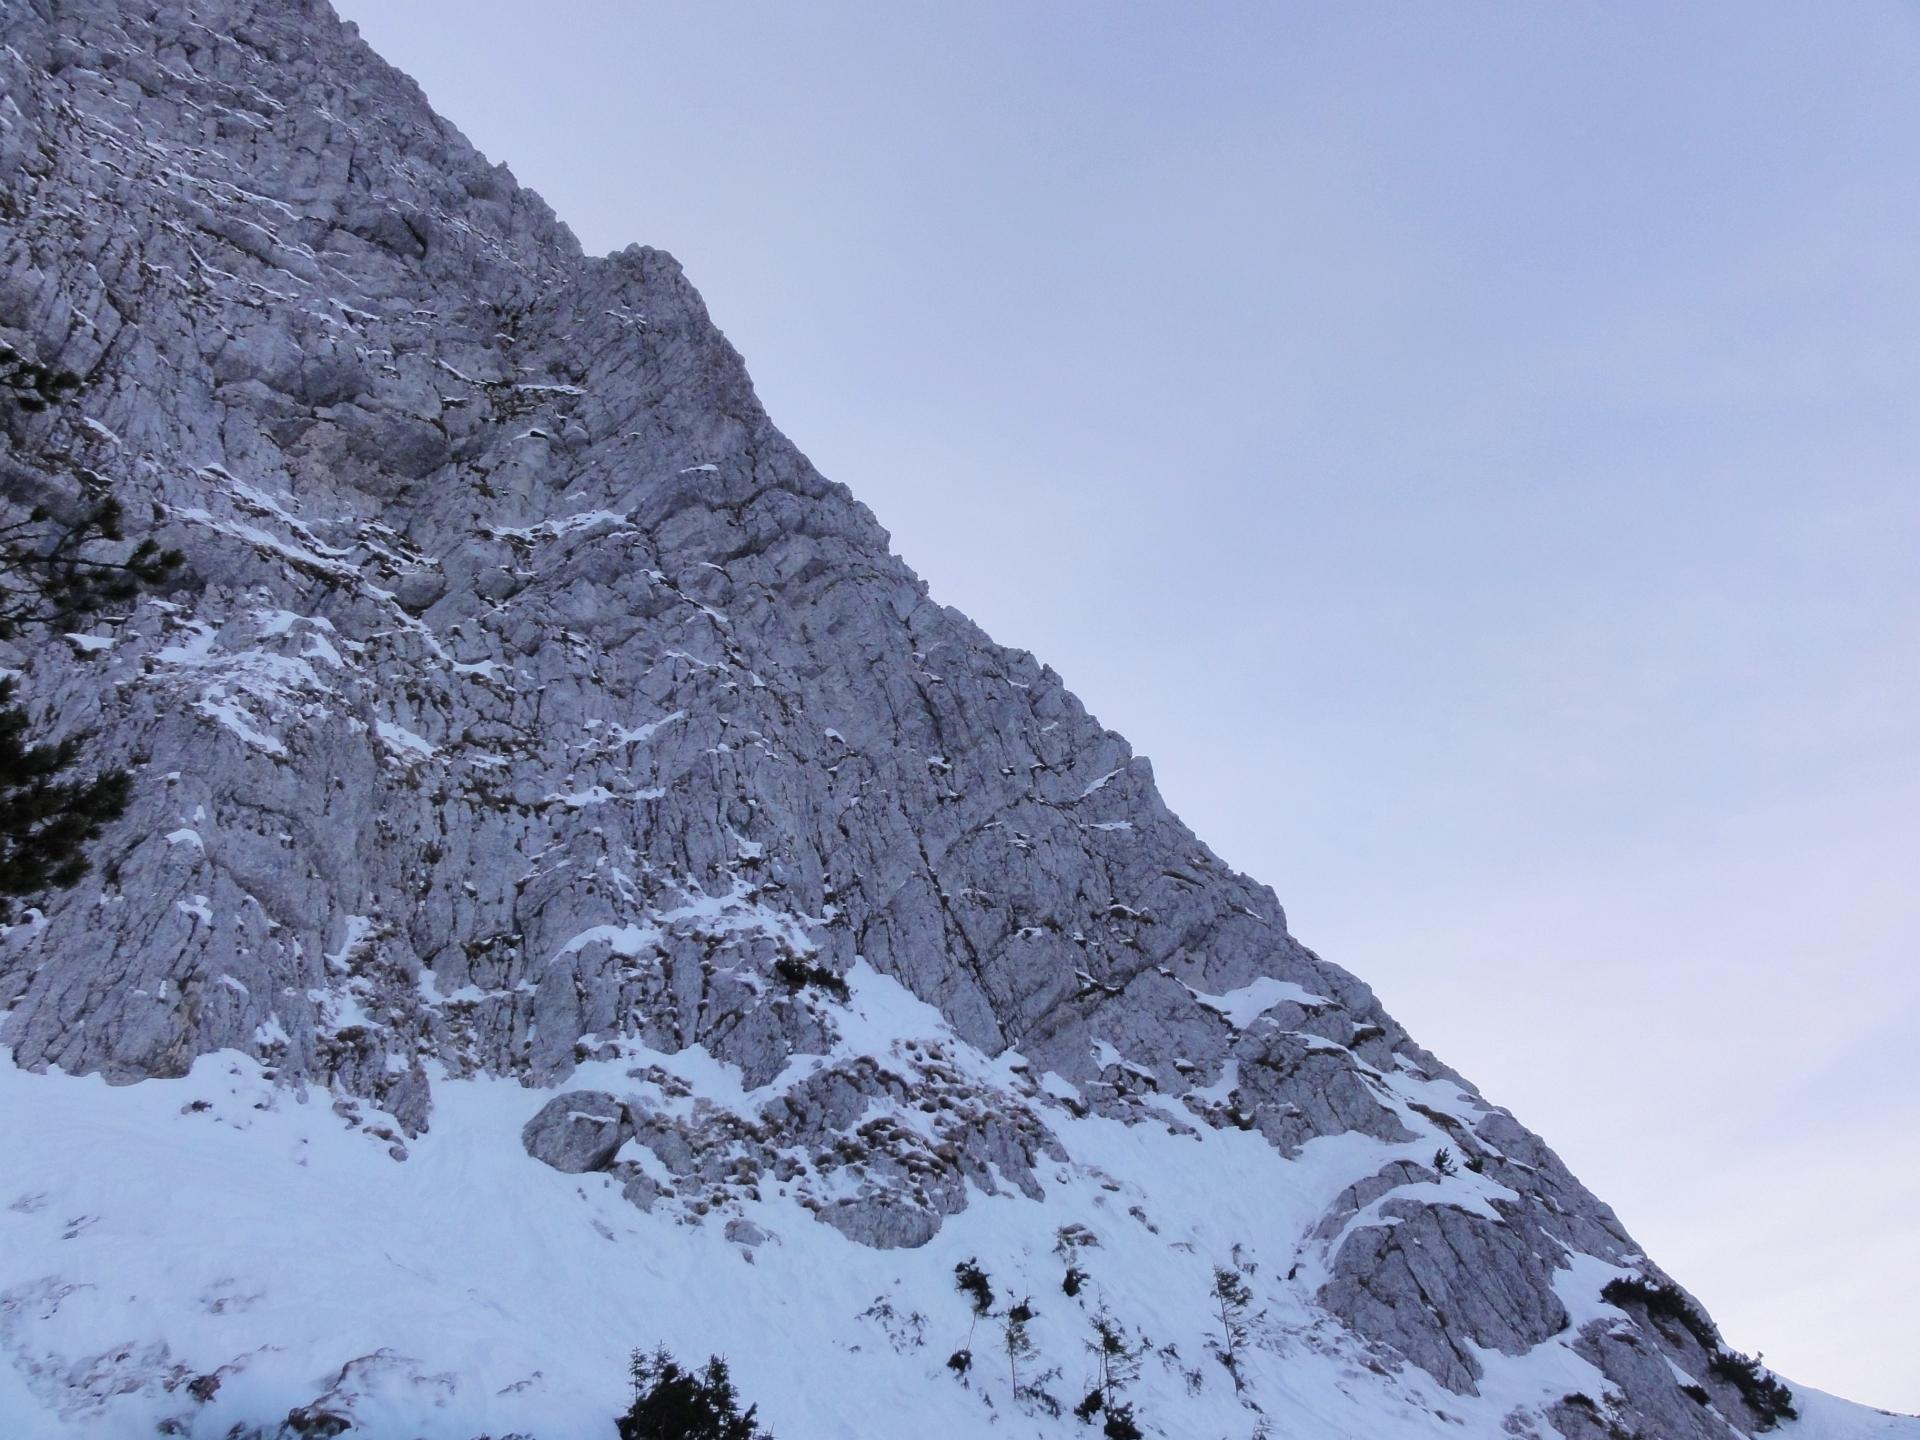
{"points": [[1473, 451]]}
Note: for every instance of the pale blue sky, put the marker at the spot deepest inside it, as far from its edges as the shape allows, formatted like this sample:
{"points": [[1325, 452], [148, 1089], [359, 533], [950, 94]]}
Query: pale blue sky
{"points": [[1474, 451]]}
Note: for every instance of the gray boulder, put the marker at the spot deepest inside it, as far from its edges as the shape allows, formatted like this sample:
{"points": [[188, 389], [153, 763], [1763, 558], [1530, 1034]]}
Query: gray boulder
{"points": [[579, 1131]]}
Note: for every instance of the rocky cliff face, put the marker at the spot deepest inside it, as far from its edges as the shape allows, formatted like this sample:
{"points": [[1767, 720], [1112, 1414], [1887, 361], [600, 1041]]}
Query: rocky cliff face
{"points": [[530, 709]]}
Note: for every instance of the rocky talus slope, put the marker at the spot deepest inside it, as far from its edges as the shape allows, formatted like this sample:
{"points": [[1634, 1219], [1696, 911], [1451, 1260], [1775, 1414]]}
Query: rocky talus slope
{"points": [[565, 834]]}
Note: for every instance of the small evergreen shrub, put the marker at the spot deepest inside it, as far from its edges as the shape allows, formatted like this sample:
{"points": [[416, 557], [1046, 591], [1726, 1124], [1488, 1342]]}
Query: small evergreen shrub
{"points": [[797, 974], [1765, 1395], [1697, 1394], [1042, 1399], [672, 1403], [1121, 1425], [1662, 1302], [1073, 1280], [971, 1281], [1443, 1163]]}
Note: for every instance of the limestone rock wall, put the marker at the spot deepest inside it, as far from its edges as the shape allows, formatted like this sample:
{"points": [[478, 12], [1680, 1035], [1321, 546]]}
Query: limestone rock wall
{"points": [[525, 692]]}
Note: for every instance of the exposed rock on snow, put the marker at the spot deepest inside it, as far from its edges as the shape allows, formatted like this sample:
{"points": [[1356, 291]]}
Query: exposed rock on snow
{"points": [[580, 1130]]}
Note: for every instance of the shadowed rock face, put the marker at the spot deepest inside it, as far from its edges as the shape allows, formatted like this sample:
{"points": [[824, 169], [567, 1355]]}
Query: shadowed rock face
{"points": [[526, 694]]}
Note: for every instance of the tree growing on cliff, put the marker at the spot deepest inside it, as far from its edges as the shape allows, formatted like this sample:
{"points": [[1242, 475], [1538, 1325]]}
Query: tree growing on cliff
{"points": [[61, 564]]}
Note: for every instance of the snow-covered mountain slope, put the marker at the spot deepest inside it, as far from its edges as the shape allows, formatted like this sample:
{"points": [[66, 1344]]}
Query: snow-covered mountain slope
{"points": [[275, 1246], [581, 893]]}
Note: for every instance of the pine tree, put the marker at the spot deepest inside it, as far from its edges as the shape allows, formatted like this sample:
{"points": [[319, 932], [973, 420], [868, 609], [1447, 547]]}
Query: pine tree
{"points": [[46, 818], [1233, 1298], [57, 569], [1013, 1334], [672, 1403], [1117, 1362], [970, 1280], [54, 571]]}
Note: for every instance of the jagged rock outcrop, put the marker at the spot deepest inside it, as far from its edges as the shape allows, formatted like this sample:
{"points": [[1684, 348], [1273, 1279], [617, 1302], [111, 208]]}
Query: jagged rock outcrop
{"points": [[528, 703]]}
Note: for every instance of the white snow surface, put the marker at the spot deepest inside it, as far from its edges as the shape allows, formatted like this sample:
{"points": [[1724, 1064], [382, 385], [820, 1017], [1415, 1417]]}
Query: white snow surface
{"points": [[1248, 1003], [221, 1224]]}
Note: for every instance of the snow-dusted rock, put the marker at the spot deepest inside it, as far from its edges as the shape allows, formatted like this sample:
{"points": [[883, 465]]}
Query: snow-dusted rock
{"points": [[578, 1131]]}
